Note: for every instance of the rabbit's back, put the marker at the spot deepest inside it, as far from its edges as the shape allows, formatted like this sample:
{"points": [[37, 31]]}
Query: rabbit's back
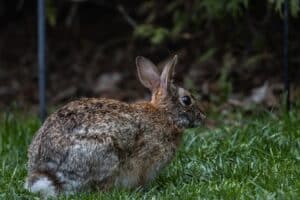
{"points": [[100, 120], [99, 117]]}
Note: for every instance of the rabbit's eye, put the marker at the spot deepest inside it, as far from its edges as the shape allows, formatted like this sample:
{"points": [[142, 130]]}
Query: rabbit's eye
{"points": [[186, 100]]}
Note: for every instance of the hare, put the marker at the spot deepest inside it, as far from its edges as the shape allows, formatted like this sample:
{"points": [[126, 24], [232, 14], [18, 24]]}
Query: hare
{"points": [[96, 143]]}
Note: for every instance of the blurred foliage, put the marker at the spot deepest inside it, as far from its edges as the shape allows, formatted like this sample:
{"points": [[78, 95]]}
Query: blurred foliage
{"points": [[51, 12], [294, 6], [156, 35], [180, 18], [191, 16], [224, 84]]}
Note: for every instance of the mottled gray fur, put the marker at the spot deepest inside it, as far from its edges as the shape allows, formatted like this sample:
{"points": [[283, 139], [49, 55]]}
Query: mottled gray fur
{"points": [[96, 143]]}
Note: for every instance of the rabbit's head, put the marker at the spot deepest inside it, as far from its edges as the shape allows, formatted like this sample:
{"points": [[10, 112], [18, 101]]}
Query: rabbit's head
{"points": [[181, 107]]}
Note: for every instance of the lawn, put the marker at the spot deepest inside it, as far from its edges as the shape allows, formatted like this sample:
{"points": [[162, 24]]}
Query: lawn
{"points": [[257, 157]]}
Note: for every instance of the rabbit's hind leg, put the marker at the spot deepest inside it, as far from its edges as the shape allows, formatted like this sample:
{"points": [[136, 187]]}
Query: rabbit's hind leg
{"points": [[87, 165]]}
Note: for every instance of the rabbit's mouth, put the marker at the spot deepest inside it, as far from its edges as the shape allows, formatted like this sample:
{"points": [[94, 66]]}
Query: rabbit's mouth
{"points": [[185, 121]]}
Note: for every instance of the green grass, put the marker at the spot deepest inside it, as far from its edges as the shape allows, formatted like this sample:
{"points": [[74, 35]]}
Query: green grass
{"points": [[256, 158]]}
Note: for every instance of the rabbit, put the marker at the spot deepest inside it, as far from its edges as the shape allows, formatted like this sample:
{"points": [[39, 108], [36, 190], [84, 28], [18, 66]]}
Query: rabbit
{"points": [[97, 143]]}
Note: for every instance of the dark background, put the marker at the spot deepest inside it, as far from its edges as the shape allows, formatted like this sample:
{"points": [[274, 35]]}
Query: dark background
{"points": [[226, 49]]}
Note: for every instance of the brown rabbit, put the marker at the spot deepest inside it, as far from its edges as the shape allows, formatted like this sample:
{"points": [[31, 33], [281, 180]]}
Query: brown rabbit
{"points": [[102, 143]]}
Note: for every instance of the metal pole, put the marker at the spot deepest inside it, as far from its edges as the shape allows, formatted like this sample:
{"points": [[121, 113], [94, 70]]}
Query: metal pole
{"points": [[41, 58], [286, 55]]}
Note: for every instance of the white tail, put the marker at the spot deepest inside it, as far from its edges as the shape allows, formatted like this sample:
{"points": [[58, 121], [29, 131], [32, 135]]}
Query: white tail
{"points": [[42, 185]]}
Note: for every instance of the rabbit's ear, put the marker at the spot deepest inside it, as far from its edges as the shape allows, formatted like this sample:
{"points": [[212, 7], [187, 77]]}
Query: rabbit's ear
{"points": [[148, 73], [167, 74]]}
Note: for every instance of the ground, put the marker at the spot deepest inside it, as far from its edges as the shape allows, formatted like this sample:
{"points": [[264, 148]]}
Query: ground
{"points": [[256, 157]]}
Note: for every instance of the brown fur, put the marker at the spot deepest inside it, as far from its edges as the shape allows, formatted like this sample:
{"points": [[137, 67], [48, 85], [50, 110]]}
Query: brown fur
{"points": [[101, 143]]}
